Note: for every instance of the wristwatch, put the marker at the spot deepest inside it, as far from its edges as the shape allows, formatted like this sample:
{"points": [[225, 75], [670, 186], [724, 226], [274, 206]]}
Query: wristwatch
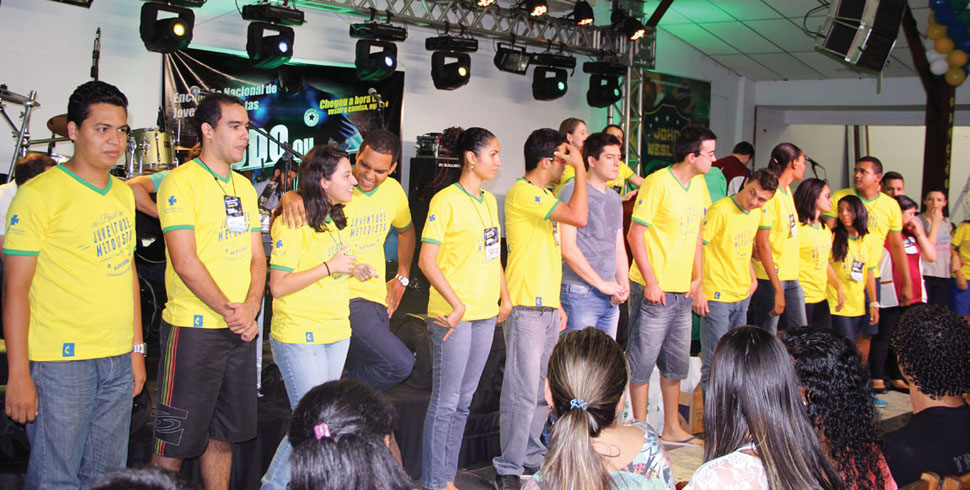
{"points": [[403, 280], [875, 304], [140, 349]]}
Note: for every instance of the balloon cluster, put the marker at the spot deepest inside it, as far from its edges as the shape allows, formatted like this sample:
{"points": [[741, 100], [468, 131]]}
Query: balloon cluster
{"points": [[949, 33]]}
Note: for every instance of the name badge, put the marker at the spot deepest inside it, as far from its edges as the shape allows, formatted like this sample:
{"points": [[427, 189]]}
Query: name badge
{"points": [[856, 273], [235, 219], [909, 245], [792, 225], [492, 250]]}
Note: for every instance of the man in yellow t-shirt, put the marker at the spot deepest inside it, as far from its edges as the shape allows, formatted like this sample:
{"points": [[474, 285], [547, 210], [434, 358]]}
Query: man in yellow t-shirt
{"points": [[534, 276], [665, 277], [215, 278], [70, 306], [376, 356], [729, 280]]}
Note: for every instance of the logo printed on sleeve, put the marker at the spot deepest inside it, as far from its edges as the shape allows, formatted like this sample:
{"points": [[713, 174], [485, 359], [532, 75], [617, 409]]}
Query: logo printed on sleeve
{"points": [[14, 220], [197, 321], [172, 200], [68, 349], [430, 218], [538, 199], [279, 243], [309, 336]]}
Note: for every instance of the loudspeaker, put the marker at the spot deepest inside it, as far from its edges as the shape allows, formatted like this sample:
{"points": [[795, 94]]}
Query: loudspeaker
{"points": [[862, 32]]}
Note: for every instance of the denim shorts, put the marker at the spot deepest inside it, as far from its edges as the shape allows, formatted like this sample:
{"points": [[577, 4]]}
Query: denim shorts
{"points": [[659, 335]]}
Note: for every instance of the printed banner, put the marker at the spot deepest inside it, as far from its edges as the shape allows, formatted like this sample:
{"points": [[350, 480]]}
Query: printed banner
{"points": [[670, 103]]}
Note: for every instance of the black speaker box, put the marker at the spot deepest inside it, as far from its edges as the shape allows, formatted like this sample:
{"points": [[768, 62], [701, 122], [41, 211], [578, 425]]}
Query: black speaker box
{"points": [[862, 32]]}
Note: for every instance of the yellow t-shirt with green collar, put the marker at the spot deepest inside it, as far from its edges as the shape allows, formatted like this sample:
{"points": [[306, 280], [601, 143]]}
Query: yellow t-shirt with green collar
{"points": [[859, 255], [884, 217], [320, 312], [534, 270], [192, 197], [81, 296], [780, 217], [728, 237], [369, 218], [672, 213], [457, 222], [619, 182], [960, 242], [814, 245]]}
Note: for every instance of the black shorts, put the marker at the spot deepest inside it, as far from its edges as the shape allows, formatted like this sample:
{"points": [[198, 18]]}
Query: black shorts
{"points": [[206, 390]]}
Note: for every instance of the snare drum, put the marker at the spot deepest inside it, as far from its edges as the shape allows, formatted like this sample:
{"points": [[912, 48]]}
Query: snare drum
{"points": [[149, 150]]}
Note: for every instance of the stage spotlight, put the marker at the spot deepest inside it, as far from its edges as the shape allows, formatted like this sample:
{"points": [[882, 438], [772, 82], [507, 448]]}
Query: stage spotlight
{"points": [[512, 59], [583, 13], [633, 29], [447, 74], [272, 50], [604, 90], [549, 83], [536, 8], [168, 34], [376, 64], [485, 3]]}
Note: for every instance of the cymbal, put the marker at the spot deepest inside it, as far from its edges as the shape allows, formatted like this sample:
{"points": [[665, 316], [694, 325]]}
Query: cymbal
{"points": [[14, 98], [183, 148], [58, 125]]}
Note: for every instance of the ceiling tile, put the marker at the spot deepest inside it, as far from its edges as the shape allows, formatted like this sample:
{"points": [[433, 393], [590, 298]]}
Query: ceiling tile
{"points": [[748, 9], [829, 66], [700, 11], [746, 66], [788, 66], [670, 17], [793, 8], [741, 37], [783, 33], [896, 68], [699, 38]]}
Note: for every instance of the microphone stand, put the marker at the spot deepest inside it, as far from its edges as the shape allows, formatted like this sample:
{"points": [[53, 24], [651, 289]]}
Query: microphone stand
{"points": [[290, 152]]}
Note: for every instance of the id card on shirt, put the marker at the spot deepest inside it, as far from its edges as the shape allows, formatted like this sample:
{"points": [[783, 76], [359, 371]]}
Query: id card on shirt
{"points": [[235, 219], [492, 250], [792, 226], [909, 245], [856, 274]]}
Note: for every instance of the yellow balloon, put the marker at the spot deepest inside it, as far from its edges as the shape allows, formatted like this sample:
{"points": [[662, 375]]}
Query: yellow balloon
{"points": [[955, 76], [957, 58], [944, 45], [936, 31]]}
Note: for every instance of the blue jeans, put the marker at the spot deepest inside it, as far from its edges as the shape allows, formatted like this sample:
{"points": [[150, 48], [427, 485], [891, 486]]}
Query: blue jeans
{"points": [[721, 318], [659, 335], [457, 366], [530, 335], [376, 357], [585, 307], [82, 424], [303, 367], [763, 301]]}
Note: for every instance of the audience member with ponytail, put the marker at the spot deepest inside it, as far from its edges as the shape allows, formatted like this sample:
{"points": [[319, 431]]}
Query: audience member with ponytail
{"points": [[588, 450]]}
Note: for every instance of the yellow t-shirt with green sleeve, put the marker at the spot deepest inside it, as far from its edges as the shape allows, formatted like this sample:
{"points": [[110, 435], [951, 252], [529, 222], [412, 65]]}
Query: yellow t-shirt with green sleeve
{"points": [[960, 241], [369, 218], [534, 270], [728, 237], [884, 217], [780, 217], [672, 213], [457, 222], [81, 296], [859, 257], [193, 197], [320, 312], [814, 245], [620, 181]]}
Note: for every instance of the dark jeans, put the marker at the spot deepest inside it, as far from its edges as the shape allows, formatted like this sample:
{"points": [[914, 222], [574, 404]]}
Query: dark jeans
{"points": [[881, 356], [763, 301], [376, 357], [937, 290], [818, 314]]}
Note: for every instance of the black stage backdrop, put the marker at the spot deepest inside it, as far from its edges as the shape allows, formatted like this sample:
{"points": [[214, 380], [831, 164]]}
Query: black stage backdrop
{"points": [[302, 105]]}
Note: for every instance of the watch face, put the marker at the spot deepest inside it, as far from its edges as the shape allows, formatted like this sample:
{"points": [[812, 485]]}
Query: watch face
{"points": [[403, 280]]}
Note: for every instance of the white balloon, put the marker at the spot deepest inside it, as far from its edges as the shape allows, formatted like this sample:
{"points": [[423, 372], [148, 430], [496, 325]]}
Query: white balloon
{"points": [[939, 67], [933, 55]]}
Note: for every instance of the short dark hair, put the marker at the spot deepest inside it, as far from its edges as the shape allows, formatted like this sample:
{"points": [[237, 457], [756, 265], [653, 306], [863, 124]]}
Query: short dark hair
{"points": [[892, 175], [906, 203], [768, 180], [933, 346], [540, 144], [570, 124], [688, 141], [617, 126], [209, 110], [595, 144], [876, 163], [93, 92], [149, 478], [30, 166], [743, 148], [384, 142]]}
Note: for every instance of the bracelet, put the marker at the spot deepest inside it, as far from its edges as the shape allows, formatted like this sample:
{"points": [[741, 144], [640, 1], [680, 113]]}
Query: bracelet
{"points": [[875, 304], [328, 268]]}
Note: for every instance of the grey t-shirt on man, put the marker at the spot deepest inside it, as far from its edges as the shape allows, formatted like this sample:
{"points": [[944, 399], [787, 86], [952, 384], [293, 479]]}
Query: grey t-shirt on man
{"points": [[596, 240]]}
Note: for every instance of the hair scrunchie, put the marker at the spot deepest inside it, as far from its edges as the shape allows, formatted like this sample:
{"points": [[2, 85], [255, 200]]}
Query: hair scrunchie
{"points": [[578, 403]]}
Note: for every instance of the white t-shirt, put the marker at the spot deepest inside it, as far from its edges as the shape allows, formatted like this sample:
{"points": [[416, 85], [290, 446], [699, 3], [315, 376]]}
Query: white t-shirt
{"points": [[6, 196], [737, 471]]}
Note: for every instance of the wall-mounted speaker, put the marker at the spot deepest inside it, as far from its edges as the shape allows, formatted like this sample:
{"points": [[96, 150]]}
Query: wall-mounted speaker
{"points": [[862, 32]]}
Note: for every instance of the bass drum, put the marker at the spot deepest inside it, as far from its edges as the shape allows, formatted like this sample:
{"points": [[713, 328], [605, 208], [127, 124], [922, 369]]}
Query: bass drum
{"points": [[150, 244]]}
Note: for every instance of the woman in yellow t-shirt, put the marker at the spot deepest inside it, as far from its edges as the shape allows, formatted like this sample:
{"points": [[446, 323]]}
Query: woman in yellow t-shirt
{"points": [[851, 258], [812, 198], [960, 266], [309, 273]]}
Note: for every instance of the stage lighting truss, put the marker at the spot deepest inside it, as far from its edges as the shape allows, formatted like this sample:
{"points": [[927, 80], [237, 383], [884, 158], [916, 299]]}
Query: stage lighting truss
{"points": [[268, 45], [168, 34]]}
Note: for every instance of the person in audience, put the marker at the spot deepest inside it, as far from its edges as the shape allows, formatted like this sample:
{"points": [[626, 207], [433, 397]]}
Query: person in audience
{"points": [[835, 386], [779, 301], [917, 245], [729, 229], [960, 265], [758, 436], [893, 184], [342, 436], [26, 168], [588, 450], [460, 256], [851, 258], [271, 190], [933, 347], [936, 273], [141, 479], [812, 198], [735, 166], [595, 271]]}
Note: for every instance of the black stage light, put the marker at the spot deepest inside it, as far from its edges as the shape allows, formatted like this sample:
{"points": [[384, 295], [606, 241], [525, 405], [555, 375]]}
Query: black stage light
{"points": [[604, 90], [268, 45], [375, 65], [549, 83], [633, 29], [512, 59], [583, 13], [554, 59], [274, 14], [375, 30], [536, 8], [485, 3], [450, 70], [168, 34]]}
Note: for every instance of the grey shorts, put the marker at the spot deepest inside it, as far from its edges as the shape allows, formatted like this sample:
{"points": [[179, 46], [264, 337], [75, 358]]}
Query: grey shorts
{"points": [[659, 335]]}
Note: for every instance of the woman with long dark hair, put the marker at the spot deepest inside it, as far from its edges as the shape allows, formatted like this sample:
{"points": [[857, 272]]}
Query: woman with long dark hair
{"points": [[812, 198], [587, 449], [758, 436], [342, 439], [936, 273], [460, 256], [309, 278], [836, 390], [851, 257]]}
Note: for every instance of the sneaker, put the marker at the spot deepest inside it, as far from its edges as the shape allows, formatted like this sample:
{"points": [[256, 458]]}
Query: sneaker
{"points": [[507, 482], [879, 402]]}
